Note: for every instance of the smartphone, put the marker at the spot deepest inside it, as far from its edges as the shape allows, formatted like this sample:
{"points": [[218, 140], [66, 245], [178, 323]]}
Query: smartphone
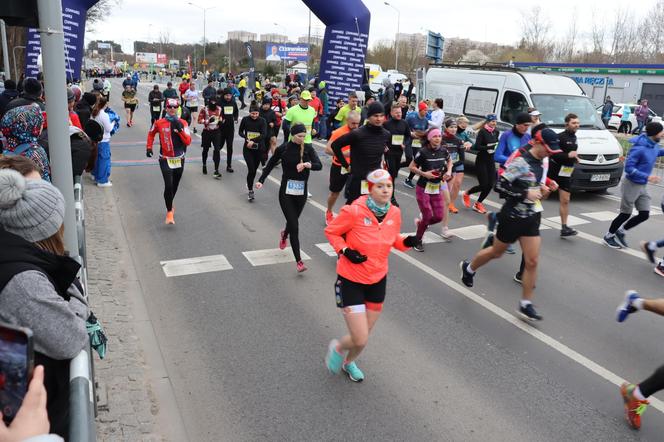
{"points": [[16, 364]]}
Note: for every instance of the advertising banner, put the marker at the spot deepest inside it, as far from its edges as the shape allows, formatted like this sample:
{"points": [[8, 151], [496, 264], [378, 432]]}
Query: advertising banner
{"points": [[285, 51], [345, 44], [73, 24], [146, 57], [162, 59]]}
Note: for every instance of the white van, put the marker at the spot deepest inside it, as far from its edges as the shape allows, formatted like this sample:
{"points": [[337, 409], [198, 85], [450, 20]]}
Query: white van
{"points": [[478, 91]]}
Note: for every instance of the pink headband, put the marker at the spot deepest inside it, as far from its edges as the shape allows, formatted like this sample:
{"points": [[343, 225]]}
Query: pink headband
{"points": [[432, 133]]}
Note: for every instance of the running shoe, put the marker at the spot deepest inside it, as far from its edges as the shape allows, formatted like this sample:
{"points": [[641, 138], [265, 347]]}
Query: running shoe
{"points": [[329, 217], [195, 131], [250, 195], [649, 248], [446, 234], [106, 184], [510, 249], [518, 277], [610, 241], [409, 183], [492, 220], [568, 231], [466, 200], [353, 372], [479, 208], [529, 313], [621, 239], [626, 308], [453, 208], [216, 174], [488, 240], [301, 267], [283, 239], [204, 169], [333, 360], [659, 269], [229, 169], [634, 407], [466, 276], [169, 217], [419, 246]]}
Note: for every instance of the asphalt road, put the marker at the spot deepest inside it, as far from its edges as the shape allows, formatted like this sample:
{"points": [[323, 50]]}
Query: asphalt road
{"points": [[244, 347]]}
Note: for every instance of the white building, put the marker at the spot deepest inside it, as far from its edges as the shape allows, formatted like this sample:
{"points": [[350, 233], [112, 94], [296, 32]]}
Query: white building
{"points": [[274, 38], [243, 36], [315, 40]]}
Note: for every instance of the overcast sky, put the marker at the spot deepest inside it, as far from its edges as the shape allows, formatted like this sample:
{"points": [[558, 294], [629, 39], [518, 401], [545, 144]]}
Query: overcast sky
{"points": [[497, 21]]}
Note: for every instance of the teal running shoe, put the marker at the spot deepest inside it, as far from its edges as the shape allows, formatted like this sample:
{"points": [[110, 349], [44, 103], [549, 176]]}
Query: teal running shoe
{"points": [[333, 360], [354, 373]]}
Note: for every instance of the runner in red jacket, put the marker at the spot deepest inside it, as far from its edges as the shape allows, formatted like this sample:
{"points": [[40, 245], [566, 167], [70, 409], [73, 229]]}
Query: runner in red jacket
{"points": [[174, 138], [363, 234]]}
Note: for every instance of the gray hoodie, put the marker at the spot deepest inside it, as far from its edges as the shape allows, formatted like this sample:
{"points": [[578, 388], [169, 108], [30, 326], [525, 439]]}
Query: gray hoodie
{"points": [[388, 94]]}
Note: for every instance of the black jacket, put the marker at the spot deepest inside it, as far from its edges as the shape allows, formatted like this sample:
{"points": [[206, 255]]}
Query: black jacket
{"points": [[84, 111], [289, 155], [367, 146], [256, 129], [81, 148], [228, 123], [6, 96], [399, 128]]}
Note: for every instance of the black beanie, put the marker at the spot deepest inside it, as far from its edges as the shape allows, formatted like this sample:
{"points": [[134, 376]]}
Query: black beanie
{"points": [[298, 129], [32, 86], [254, 107], [654, 128], [267, 100], [522, 118], [375, 108], [90, 98]]}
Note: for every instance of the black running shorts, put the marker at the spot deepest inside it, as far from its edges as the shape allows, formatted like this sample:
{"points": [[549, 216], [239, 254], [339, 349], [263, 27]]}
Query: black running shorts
{"points": [[337, 180], [349, 293], [511, 228]]}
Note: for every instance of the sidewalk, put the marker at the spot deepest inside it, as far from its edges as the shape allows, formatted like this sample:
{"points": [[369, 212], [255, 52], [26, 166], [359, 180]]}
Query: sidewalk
{"points": [[127, 404]]}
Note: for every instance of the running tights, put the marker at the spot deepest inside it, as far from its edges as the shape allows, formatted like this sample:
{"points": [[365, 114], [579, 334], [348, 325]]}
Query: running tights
{"points": [[216, 156], [432, 208], [485, 168], [292, 207], [253, 159], [227, 136], [171, 181], [393, 160], [633, 221], [654, 383]]}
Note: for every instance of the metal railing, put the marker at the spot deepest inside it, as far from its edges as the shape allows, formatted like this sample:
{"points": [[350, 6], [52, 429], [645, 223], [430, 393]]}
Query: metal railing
{"points": [[82, 400]]}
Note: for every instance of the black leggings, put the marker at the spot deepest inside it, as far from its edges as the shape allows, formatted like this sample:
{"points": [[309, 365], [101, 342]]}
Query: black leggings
{"points": [[393, 160], [654, 383], [227, 136], [292, 206], [154, 116], [171, 181], [633, 221], [485, 168], [253, 159], [213, 138], [410, 154]]}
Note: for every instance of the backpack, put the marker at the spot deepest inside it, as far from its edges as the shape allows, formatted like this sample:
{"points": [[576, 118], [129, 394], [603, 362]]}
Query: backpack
{"points": [[115, 119]]}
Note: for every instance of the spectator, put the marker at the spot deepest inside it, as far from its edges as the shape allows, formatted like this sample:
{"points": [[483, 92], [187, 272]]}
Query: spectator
{"points": [[84, 107], [7, 95], [102, 169], [624, 119], [38, 286], [21, 127], [22, 165], [607, 111], [325, 111], [32, 93], [642, 112], [73, 116], [388, 93], [398, 88]]}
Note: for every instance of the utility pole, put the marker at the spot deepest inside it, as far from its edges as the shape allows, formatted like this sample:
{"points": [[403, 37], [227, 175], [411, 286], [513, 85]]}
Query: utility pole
{"points": [[309, 51], [5, 51]]}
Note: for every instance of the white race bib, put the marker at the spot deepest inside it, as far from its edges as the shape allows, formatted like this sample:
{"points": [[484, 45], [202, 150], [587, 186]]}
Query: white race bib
{"points": [[253, 135], [344, 171], [566, 171], [490, 151], [397, 140], [454, 156], [364, 187], [432, 188], [228, 110], [537, 207], [156, 108], [174, 163], [294, 187], [417, 143]]}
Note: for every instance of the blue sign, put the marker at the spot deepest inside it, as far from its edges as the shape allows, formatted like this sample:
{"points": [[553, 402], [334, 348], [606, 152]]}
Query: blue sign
{"points": [[345, 44], [74, 13], [593, 81], [435, 43], [285, 51]]}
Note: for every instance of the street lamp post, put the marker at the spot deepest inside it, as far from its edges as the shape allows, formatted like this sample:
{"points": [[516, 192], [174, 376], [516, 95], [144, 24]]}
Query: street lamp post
{"points": [[396, 38], [286, 34], [204, 11]]}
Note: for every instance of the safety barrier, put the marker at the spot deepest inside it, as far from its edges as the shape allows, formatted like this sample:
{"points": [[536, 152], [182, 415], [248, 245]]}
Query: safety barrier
{"points": [[82, 400]]}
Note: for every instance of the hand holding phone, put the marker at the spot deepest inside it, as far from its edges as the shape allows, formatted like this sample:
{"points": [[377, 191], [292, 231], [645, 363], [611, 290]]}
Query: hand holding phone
{"points": [[32, 418], [16, 363]]}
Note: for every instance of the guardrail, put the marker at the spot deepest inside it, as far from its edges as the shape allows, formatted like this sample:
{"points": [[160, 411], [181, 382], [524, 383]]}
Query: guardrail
{"points": [[82, 400]]}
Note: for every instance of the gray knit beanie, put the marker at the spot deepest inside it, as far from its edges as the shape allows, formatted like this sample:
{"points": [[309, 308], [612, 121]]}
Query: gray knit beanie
{"points": [[31, 209]]}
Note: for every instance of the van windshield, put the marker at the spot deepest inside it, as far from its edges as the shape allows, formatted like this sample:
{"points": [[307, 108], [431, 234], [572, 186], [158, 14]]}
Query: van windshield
{"points": [[554, 108]]}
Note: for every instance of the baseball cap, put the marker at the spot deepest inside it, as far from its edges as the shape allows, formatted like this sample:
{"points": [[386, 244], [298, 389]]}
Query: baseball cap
{"points": [[535, 113], [172, 102], [306, 95], [550, 138], [422, 106], [491, 117], [378, 176]]}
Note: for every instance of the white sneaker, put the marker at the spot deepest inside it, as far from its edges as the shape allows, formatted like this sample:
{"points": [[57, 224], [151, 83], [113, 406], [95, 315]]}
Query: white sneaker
{"points": [[445, 233], [106, 184]]}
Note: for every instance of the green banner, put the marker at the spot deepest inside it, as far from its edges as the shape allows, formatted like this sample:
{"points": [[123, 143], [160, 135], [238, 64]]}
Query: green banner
{"points": [[604, 71]]}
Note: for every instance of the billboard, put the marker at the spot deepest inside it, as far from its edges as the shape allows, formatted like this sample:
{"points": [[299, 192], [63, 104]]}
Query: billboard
{"points": [[285, 51], [146, 57], [162, 59]]}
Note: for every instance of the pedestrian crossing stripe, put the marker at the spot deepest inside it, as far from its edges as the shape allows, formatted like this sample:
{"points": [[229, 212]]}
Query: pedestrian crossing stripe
{"points": [[571, 220], [604, 215], [327, 249], [272, 256], [192, 266]]}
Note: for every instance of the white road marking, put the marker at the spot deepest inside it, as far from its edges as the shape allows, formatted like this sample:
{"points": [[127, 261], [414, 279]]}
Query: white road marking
{"points": [[571, 220], [272, 256], [470, 232], [192, 266], [513, 320], [428, 238], [654, 210], [604, 215], [327, 249]]}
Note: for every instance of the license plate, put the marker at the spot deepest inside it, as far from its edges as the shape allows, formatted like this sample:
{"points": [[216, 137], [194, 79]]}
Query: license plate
{"points": [[600, 177]]}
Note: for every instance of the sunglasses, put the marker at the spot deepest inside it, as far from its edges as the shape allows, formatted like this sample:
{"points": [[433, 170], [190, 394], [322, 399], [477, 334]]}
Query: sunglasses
{"points": [[171, 107]]}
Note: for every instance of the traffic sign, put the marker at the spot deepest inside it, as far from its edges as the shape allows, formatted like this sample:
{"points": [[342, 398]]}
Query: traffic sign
{"points": [[435, 43], [204, 62]]}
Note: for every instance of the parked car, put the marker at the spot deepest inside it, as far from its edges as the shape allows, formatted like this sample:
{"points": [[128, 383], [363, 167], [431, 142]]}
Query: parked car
{"points": [[616, 115]]}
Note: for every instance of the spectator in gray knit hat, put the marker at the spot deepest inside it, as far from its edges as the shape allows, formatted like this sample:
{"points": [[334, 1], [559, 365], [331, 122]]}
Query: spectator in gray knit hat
{"points": [[38, 287]]}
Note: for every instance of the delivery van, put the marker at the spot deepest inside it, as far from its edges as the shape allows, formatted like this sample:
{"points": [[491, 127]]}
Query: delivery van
{"points": [[476, 91]]}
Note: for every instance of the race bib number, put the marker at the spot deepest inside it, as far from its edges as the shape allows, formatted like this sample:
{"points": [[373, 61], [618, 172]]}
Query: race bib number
{"points": [[308, 128], [490, 151], [537, 207], [397, 140], [294, 187], [252, 135], [364, 187], [156, 108], [566, 171], [174, 163], [344, 171], [455, 157], [432, 188], [228, 110], [417, 143]]}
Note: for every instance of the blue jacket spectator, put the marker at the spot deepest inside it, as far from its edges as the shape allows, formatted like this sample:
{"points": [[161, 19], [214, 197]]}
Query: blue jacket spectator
{"points": [[643, 154]]}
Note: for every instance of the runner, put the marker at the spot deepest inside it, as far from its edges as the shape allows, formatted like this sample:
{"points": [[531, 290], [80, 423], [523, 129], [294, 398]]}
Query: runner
{"points": [[130, 102], [341, 116], [279, 108], [183, 87], [485, 165], [191, 98], [211, 118], [174, 137], [418, 125], [638, 167], [252, 129], [297, 159], [363, 235], [462, 133], [339, 175], [155, 98], [455, 146], [562, 167], [399, 138], [367, 146], [242, 87], [520, 216], [229, 107], [433, 164], [303, 114], [170, 91], [270, 142], [635, 397], [209, 92]]}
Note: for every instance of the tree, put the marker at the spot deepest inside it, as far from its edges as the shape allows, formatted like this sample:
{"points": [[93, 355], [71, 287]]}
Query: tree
{"points": [[535, 31], [99, 12]]}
